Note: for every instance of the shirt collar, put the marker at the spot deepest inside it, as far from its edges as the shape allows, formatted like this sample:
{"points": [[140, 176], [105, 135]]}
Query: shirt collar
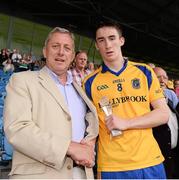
{"points": [[106, 68], [55, 77], [78, 71]]}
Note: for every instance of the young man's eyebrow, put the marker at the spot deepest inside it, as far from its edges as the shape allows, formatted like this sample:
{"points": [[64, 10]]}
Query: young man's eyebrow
{"points": [[111, 36], [99, 38]]}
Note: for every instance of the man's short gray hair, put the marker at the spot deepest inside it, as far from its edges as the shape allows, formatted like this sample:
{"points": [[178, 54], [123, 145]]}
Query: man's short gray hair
{"points": [[60, 30]]}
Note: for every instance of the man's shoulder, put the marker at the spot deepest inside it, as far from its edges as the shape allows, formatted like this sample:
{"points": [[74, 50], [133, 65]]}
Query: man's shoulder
{"points": [[25, 75], [170, 92], [139, 64]]}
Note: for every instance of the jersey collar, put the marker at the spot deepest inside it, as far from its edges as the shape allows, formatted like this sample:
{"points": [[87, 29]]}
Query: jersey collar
{"points": [[105, 69]]}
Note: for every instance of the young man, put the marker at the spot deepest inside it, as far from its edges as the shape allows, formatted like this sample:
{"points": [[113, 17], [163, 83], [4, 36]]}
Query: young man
{"points": [[45, 114], [131, 89]]}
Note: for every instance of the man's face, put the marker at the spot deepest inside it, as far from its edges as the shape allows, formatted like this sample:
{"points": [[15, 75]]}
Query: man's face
{"points": [[109, 43], [162, 77], [176, 84], [81, 60], [59, 52]]}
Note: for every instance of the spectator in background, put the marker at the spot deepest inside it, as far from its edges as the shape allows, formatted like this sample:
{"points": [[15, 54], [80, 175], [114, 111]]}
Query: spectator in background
{"points": [[167, 134], [163, 79], [79, 71], [176, 87], [3, 56], [33, 61], [23, 63], [131, 88], [16, 58], [8, 66], [170, 84], [91, 67], [151, 65], [45, 114]]}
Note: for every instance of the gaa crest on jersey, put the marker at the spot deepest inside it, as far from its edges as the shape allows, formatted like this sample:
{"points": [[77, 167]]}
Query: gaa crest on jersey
{"points": [[102, 87], [136, 83]]}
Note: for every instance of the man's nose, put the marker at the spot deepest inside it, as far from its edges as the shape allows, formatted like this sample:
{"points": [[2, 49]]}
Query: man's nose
{"points": [[108, 44], [61, 51], [162, 79]]}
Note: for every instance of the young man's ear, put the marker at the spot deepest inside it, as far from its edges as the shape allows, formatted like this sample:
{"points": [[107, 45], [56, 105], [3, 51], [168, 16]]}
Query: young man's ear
{"points": [[96, 46], [122, 40]]}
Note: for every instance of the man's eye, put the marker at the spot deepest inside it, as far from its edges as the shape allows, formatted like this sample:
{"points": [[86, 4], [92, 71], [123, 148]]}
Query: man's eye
{"points": [[100, 40], [55, 46], [68, 48], [112, 38]]}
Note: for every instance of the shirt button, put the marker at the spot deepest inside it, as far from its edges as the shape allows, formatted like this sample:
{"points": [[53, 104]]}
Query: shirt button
{"points": [[69, 118], [69, 167]]}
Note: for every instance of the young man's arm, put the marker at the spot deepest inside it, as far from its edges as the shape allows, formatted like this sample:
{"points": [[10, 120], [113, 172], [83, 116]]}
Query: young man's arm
{"points": [[158, 116]]}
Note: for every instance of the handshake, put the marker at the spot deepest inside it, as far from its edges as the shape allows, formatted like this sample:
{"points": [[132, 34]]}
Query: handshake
{"points": [[82, 153]]}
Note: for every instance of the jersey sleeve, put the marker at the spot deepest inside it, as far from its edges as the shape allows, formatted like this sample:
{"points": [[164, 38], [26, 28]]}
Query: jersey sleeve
{"points": [[87, 84], [155, 91], [87, 88]]}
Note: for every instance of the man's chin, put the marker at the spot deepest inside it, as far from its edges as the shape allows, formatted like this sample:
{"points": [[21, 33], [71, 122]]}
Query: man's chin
{"points": [[163, 87]]}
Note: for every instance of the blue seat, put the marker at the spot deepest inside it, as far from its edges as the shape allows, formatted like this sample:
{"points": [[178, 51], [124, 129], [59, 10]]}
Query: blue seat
{"points": [[7, 149], [1, 102]]}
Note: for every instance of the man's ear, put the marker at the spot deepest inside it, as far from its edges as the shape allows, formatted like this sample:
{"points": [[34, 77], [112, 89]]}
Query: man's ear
{"points": [[96, 46], [44, 52], [122, 40]]}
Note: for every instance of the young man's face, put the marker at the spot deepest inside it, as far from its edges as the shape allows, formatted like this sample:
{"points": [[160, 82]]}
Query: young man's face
{"points": [[109, 42]]}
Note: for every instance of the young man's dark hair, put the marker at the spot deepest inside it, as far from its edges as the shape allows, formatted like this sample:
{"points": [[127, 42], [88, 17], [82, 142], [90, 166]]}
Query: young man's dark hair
{"points": [[116, 25]]}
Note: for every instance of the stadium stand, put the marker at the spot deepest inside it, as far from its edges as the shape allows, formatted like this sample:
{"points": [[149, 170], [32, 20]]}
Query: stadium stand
{"points": [[5, 147]]}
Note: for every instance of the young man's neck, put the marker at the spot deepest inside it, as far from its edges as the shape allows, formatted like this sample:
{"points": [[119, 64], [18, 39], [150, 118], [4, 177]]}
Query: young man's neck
{"points": [[115, 65]]}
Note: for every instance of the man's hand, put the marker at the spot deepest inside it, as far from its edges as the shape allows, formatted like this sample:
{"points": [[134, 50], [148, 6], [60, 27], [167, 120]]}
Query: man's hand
{"points": [[113, 122], [82, 154], [89, 142]]}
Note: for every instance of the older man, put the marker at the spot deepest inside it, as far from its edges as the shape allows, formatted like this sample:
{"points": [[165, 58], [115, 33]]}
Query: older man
{"points": [[167, 135], [79, 71], [45, 114]]}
